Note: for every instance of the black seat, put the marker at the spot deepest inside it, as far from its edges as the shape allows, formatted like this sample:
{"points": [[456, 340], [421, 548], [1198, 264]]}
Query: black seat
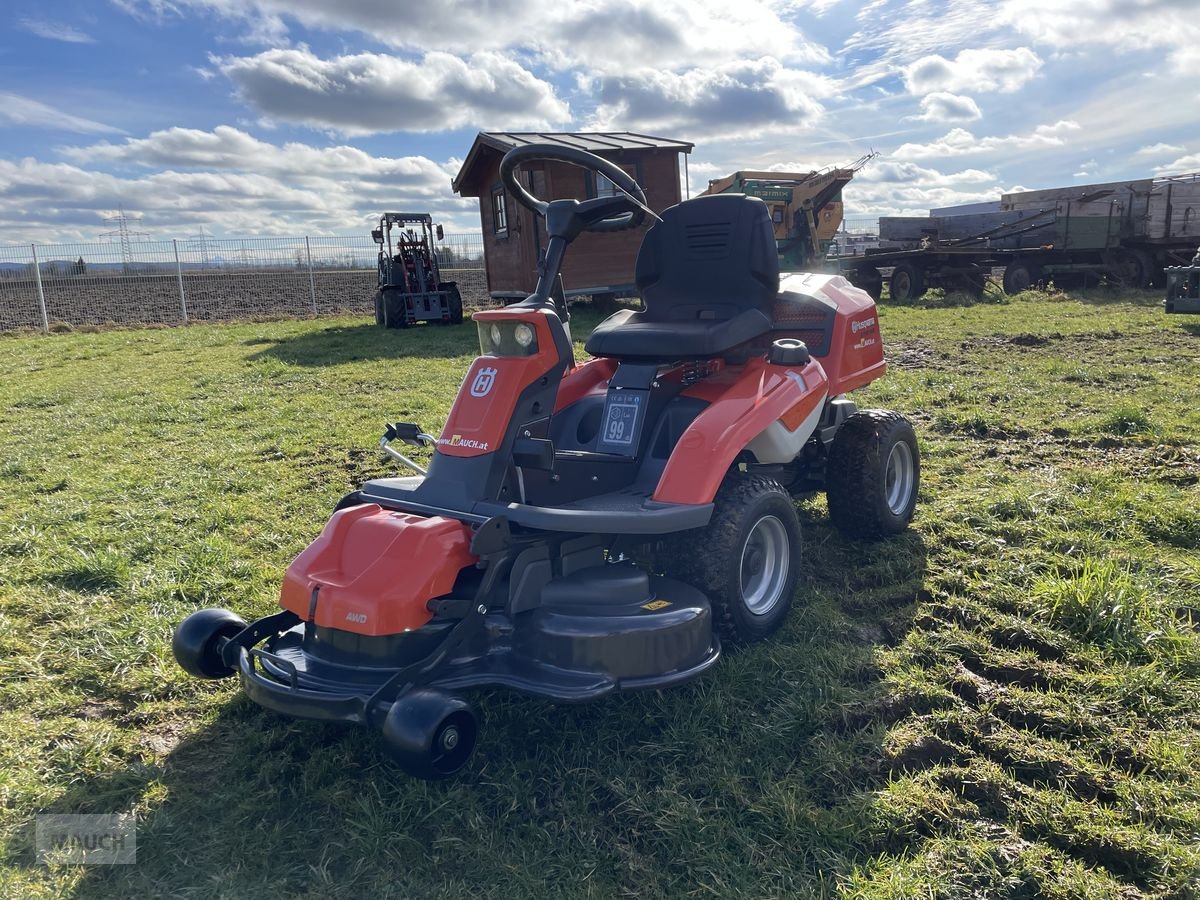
{"points": [[708, 274]]}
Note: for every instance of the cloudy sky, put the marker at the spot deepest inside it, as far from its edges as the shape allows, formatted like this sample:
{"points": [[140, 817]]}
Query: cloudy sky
{"points": [[265, 116]]}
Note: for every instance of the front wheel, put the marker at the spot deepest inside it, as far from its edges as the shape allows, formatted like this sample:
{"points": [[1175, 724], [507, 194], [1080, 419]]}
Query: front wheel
{"points": [[747, 559], [873, 474]]}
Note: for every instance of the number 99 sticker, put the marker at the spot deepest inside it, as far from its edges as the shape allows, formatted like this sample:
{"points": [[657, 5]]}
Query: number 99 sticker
{"points": [[621, 425]]}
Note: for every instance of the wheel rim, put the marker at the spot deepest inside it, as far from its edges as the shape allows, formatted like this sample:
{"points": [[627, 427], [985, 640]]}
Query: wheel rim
{"points": [[898, 483], [765, 563], [903, 285]]}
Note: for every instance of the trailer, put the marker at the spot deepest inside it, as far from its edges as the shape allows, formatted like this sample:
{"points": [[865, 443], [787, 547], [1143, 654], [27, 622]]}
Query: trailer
{"points": [[1125, 232]]}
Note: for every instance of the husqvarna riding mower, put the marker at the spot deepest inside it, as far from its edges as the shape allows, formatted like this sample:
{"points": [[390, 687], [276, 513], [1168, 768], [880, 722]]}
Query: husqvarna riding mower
{"points": [[510, 561]]}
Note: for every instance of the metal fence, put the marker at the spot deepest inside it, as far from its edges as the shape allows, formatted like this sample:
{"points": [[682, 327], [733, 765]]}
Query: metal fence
{"points": [[206, 279]]}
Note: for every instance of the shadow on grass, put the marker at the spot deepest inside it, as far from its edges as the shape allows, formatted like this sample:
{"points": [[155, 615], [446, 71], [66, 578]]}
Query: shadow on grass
{"points": [[353, 343], [1192, 328], [650, 794]]}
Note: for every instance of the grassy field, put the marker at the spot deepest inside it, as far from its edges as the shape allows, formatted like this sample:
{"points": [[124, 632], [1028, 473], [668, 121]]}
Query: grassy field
{"points": [[1004, 702]]}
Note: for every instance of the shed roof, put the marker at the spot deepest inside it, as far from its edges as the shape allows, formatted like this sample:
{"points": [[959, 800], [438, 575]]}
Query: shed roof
{"points": [[599, 142]]}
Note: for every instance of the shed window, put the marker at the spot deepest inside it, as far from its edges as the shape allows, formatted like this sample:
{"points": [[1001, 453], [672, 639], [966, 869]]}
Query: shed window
{"points": [[601, 186], [499, 212]]}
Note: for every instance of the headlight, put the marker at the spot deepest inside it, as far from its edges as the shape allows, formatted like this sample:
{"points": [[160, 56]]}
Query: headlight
{"points": [[494, 334], [524, 335]]}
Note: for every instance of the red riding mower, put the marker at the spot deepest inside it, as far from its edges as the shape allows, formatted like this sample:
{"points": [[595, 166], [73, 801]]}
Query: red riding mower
{"points": [[509, 562]]}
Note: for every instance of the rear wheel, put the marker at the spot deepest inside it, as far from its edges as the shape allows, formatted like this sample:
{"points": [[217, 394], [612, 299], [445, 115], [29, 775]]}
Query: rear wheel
{"points": [[380, 318], [747, 558], [873, 474], [907, 283]]}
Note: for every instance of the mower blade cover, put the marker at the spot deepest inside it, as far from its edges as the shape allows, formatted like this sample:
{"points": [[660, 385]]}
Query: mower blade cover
{"points": [[374, 570]]}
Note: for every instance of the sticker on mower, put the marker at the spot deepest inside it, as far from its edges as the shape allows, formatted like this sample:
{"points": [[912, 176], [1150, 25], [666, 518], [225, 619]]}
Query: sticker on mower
{"points": [[656, 604], [457, 441], [482, 385], [856, 327]]}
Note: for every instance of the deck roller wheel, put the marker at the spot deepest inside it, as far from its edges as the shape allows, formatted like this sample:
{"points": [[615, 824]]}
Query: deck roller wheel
{"points": [[431, 734]]}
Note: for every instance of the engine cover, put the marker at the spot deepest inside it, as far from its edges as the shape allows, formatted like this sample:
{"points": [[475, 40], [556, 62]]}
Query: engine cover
{"points": [[374, 570]]}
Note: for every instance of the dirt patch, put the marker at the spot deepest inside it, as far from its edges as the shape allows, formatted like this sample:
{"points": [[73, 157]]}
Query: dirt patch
{"points": [[926, 751]]}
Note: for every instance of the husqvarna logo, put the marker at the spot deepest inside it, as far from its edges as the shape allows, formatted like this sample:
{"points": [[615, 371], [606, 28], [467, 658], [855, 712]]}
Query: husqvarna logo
{"points": [[856, 327], [484, 379]]}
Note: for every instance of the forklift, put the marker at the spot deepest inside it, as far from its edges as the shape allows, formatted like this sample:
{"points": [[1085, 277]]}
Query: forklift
{"points": [[410, 288]]}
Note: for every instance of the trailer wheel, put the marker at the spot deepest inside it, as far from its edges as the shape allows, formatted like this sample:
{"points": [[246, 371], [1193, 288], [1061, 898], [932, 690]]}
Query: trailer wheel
{"points": [[869, 279], [1021, 275], [1134, 267], [907, 283]]}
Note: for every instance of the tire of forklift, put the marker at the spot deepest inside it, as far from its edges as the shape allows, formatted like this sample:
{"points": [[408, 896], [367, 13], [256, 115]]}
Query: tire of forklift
{"points": [[1020, 275], [907, 283], [454, 301], [868, 279], [195, 643], [873, 474], [746, 559], [393, 310]]}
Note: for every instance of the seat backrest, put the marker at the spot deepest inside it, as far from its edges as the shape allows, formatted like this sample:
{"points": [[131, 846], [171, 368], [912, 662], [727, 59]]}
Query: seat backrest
{"points": [[710, 258]]}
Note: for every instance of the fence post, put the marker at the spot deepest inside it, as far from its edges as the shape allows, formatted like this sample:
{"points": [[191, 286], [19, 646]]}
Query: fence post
{"points": [[37, 274], [312, 285], [179, 275]]}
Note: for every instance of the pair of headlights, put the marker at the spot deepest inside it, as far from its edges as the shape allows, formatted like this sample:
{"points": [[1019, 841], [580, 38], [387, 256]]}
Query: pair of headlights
{"points": [[507, 339]]}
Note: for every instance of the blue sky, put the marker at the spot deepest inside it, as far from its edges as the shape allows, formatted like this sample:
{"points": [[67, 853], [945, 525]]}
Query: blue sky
{"points": [[264, 116]]}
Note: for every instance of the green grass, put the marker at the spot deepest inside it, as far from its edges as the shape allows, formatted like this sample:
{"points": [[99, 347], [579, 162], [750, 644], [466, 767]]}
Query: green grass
{"points": [[1003, 702]]}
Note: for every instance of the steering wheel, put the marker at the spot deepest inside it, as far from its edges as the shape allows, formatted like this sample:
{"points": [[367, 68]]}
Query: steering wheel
{"points": [[615, 213]]}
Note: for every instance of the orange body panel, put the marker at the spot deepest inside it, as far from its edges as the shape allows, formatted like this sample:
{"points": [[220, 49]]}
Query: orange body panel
{"points": [[742, 404], [855, 355], [584, 379], [489, 395], [376, 570]]}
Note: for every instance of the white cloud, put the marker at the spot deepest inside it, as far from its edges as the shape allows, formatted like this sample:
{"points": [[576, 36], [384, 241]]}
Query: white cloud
{"points": [[366, 93], [55, 31], [960, 142], [23, 112], [1159, 150], [228, 180], [601, 36], [719, 103], [895, 188], [973, 70], [942, 106], [1124, 26], [1183, 165]]}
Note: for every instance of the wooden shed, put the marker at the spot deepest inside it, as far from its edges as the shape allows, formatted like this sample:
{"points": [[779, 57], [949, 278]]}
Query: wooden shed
{"points": [[514, 237]]}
